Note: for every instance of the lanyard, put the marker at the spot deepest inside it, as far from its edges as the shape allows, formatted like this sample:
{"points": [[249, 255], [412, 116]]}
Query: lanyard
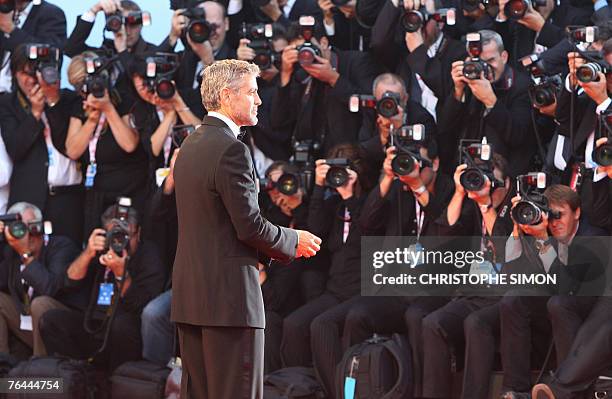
{"points": [[347, 225], [420, 218], [93, 143], [168, 141]]}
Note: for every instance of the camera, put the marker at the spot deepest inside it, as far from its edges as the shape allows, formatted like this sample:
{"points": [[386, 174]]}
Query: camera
{"points": [[118, 235], [477, 157], [533, 203], [516, 9], [260, 36], [472, 5], [307, 51], [180, 133], [116, 20], [18, 228], [408, 140], [582, 34], [159, 70], [337, 175], [45, 59], [7, 6], [305, 150], [386, 106], [198, 29], [287, 183], [412, 20], [589, 72], [98, 78], [603, 154], [544, 89], [473, 68]]}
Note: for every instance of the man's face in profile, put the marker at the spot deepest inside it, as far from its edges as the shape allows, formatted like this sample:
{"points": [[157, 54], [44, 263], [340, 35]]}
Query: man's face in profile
{"points": [[245, 101]]}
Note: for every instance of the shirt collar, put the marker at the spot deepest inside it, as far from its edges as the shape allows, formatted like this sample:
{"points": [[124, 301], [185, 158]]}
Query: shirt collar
{"points": [[288, 7], [233, 127]]}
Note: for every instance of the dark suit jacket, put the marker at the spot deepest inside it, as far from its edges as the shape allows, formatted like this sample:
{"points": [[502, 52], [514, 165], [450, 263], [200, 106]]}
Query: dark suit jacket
{"points": [[221, 230], [25, 144], [46, 23]]}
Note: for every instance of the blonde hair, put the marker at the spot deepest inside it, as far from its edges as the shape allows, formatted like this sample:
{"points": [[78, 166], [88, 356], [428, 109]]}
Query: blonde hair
{"points": [[77, 70], [221, 74]]}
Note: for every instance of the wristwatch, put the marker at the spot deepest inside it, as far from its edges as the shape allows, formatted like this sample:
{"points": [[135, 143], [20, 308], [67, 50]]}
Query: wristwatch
{"points": [[25, 256], [419, 191]]}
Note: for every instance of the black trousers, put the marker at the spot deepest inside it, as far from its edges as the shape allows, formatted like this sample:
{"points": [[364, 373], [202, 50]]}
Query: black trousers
{"points": [[66, 210], [63, 334], [221, 362], [443, 342], [589, 355], [273, 336], [567, 313], [525, 332]]}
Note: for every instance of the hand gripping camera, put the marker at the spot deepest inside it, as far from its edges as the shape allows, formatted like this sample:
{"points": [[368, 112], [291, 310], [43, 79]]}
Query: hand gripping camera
{"points": [[198, 29], [386, 106], [18, 228], [582, 34], [159, 71], [307, 50], [589, 72], [412, 20], [533, 203], [603, 154], [260, 36], [473, 68], [477, 156], [516, 9], [44, 59], [337, 175], [408, 140], [118, 235], [116, 20], [544, 89], [98, 76]]}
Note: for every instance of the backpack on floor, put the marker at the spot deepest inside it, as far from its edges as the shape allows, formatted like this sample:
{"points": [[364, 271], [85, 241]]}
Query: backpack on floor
{"points": [[139, 380], [378, 368], [292, 383]]}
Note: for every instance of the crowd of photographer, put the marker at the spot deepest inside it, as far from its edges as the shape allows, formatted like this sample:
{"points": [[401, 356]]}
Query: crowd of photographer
{"points": [[489, 119]]}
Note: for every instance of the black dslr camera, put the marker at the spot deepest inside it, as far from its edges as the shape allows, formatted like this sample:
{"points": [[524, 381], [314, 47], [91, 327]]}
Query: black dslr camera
{"points": [[412, 20], [516, 9], [159, 70], [582, 34], [304, 151], [116, 20], [603, 154], [45, 59], [386, 106], [473, 68], [307, 51], [98, 76], [180, 133], [337, 175], [198, 29], [533, 203], [589, 72], [260, 36], [7, 6], [408, 140], [118, 235], [544, 89], [477, 156], [18, 228]]}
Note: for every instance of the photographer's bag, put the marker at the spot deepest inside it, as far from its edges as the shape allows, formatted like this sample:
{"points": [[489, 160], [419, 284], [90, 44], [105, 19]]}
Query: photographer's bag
{"points": [[292, 383], [78, 377], [139, 380], [378, 368]]}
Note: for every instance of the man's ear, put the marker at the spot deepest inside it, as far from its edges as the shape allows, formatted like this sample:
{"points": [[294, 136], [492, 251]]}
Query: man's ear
{"points": [[577, 214], [227, 24], [504, 56], [224, 95], [436, 164]]}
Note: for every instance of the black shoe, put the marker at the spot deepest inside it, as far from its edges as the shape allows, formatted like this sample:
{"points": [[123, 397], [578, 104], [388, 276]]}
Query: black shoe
{"points": [[542, 391], [515, 395]]}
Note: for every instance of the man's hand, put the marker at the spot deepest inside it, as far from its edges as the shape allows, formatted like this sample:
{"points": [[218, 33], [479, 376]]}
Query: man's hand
{"points": [[483, 91], [414, 40], [21, 245], [51, 92], [108, 6], [288, 58], [204, 51], [114, 262], [179, 22], [169, 181], [96, 242], [346, 191], [413, 179], [457, 179], [387, 168], [606, 169], [244, 52], [501, 13], [322, 71], [37, 101], [532, 19], [598, 91], [6, 22], [327, 7], [101, 104], [308, 244], [482, 196], [548, 110], [321, 170], [574, 61], [384, 124], [459, 80], [477, 13], [121, 40], [272, 10]]}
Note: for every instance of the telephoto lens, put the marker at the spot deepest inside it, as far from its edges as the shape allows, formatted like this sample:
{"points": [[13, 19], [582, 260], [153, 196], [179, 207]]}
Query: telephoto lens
{"points": [[603, 154], [7, 6], [412, 21], [516, 9], [118, 237], [472, 179], [403, 164], [114, 22], [164, 88], [387, 105], [199, 31], [527, 212], [589, 72], [288, 184]]}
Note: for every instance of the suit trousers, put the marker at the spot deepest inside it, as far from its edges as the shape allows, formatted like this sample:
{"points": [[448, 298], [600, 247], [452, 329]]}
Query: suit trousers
{"points": [[221, 362]]}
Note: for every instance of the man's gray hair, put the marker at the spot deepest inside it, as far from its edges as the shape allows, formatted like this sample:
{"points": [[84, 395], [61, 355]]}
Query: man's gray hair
{"points": [[221, 74], [20, 207], [393, 79], [487, 36]]}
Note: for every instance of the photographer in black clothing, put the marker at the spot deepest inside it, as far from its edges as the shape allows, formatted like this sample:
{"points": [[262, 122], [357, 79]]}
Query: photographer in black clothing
{"points": [[492, 103], [124, 281], [374, 135], [312, 98]]}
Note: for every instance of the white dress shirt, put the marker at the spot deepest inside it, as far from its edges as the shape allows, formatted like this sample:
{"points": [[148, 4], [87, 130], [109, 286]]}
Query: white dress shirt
{"points": [[233, 127], [6, 168], [6, 77]]}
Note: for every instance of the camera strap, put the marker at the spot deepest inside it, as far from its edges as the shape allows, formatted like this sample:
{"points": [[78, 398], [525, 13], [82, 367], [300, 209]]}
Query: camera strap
{"points": [[167, 146], [347, 224], [420, 218], [93, 142]]}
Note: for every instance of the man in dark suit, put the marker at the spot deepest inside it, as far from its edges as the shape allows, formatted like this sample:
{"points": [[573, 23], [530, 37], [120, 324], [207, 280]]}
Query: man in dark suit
{"points": [[217, 301]]}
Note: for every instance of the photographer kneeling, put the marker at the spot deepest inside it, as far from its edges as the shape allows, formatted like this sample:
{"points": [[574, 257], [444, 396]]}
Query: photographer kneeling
{"points": [[120, 285], [31, 275]]}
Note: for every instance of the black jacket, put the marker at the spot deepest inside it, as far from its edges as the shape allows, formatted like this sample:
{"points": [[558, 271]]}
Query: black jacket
{"points": [[507, 126], [25, 144], [602, 204]]}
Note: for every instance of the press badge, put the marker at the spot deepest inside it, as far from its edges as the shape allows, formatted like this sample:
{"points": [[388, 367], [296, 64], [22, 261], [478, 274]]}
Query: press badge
{"points": [[26, 322], [160, 175], [350, 382], [90, 175], [416, 254], [105, 294]]}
